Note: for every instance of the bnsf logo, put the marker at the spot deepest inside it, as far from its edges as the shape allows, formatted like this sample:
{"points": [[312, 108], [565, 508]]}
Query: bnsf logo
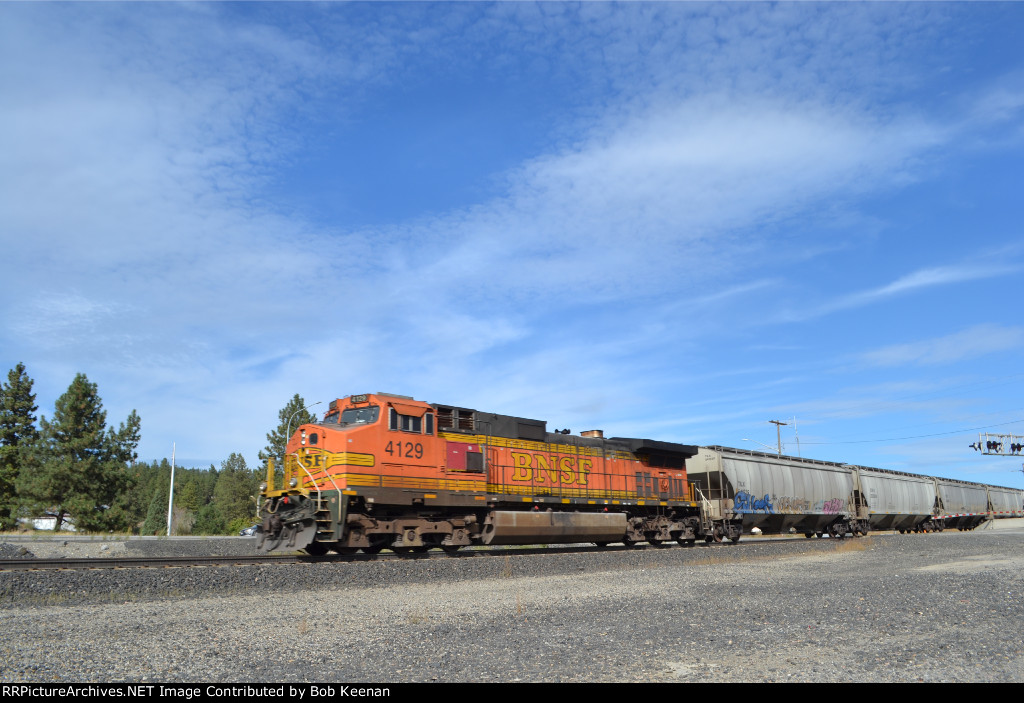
{"points": [[541, 468]]}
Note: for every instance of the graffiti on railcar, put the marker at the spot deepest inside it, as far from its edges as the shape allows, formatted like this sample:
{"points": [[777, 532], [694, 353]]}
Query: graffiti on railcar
{"points": [[836, 505], [746, 503], [791, 504]]}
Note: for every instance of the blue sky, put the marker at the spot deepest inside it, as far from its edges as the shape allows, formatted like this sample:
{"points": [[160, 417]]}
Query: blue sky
{"points": [[663, 220]]}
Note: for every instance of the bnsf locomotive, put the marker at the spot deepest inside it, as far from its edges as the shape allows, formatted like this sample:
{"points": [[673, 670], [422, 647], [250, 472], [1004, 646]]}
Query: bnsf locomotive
{"points": [[387, 471]]}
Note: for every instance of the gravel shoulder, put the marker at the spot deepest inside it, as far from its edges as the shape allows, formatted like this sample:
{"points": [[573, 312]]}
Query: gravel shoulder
{"points": [[888, 608]]}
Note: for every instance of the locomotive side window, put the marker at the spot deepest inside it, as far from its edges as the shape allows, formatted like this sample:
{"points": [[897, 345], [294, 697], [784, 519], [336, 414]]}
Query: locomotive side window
{"points": [[406, 423]]}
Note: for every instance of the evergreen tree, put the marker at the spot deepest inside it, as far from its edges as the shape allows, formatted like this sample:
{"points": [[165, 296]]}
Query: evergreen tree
{"points": [[125, 440], [291, 416], [158, 486], [77, 468], [235, 489], [17, 432]]}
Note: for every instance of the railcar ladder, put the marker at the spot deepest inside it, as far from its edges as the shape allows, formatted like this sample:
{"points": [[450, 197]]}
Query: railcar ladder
{"points": [[707, 519]]}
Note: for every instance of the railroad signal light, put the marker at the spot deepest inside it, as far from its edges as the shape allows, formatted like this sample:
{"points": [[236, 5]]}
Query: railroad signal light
{"points": [[998, 444]]}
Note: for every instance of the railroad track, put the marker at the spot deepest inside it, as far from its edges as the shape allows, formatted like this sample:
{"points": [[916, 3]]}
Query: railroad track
{"points": [[186, 561]]}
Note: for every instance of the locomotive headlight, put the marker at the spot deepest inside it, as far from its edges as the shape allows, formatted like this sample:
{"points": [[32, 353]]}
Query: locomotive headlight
{"points": [[293, 483], [263, 487]]}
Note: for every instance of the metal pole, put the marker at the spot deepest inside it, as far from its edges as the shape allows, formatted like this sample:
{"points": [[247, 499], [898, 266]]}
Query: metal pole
{"points": [[170, 503]]}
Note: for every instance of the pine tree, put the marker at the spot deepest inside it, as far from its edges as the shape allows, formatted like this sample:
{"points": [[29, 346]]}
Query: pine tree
{"points": [[17, 432], [125, 440], [235, 490], [78, 468], [291, 416]]}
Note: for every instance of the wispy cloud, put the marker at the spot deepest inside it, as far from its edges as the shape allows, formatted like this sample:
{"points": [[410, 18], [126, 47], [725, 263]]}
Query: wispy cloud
{"points": [[925, 278], [971, 343]]}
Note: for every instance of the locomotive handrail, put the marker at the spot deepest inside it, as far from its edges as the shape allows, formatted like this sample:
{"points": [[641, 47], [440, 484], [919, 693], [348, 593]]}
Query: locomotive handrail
{"points": [[311, 479]]}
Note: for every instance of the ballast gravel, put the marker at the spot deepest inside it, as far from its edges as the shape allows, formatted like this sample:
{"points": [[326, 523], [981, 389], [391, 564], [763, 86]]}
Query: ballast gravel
{"points": [[887, 608]]}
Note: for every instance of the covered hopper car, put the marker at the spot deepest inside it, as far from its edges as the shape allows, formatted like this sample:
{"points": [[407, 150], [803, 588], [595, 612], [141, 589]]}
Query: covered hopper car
{"points": [[783, 493], [387, 471]]}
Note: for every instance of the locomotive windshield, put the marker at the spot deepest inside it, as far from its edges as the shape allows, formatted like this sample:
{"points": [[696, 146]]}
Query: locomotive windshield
{"points": [[354, 416]]}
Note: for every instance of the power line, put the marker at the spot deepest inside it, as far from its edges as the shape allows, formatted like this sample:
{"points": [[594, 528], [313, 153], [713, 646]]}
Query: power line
{"points": [[920, 436], [873, 405]]}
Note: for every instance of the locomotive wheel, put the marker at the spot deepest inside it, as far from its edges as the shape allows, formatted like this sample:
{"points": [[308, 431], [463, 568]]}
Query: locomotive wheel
{"points": [[316, 549], [377, 543]]}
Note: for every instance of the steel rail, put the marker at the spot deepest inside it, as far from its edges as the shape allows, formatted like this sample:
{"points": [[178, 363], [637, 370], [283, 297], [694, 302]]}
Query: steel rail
{"points": [[22, 564]]}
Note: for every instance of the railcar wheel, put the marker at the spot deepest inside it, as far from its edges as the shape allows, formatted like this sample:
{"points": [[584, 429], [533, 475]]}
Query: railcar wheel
{"points": [[654, 542], [628, 542], [602, 545], [808, 535], [819, 535], [344, 550], [451, 548], [402, 550]]}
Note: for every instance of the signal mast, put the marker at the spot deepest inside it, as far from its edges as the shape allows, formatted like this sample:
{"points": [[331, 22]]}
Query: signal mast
{"points": [[999, 444]]}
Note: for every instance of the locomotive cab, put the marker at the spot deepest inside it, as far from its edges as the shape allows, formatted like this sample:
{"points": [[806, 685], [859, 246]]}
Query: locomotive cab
{"points": [[329, 464]]}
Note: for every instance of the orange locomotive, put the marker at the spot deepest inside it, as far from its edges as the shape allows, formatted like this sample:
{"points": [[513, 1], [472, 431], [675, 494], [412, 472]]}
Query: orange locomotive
{"points": [[386, 471]]}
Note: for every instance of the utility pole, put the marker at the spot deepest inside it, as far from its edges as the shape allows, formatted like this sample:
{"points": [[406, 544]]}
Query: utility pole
{"points": [[778, 432]]}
